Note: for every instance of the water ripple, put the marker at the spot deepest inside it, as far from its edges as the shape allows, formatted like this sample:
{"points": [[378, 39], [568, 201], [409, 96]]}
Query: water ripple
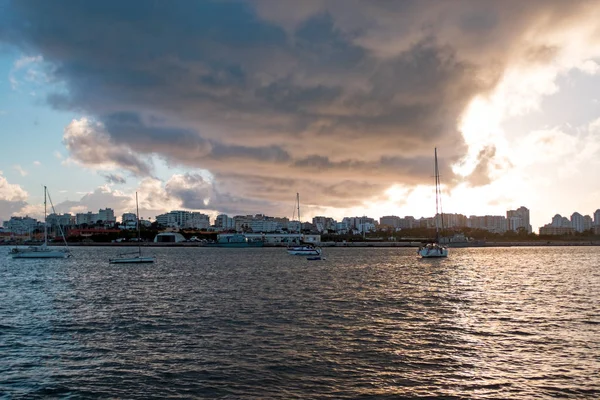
{"points": [[257, 323]]}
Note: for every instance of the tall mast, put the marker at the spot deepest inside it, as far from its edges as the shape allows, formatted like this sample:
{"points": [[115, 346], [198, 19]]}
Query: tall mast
{"points": [[299, 220], [137, 217], [45, 224], [437, 182]]}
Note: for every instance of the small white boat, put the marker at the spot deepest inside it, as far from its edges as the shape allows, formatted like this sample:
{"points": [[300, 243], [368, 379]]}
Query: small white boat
{"points": [[42, 251], [306, 250], [433, 250], [136, 257], [132, 260]]}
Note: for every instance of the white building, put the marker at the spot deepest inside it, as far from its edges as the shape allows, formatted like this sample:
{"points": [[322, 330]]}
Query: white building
{"points": [[597, 217], [517, 219], [128, 217], [577, 222], [107, 216], [55, 220], [197, 220], [224, 222], [86, 218], [21, 225]]}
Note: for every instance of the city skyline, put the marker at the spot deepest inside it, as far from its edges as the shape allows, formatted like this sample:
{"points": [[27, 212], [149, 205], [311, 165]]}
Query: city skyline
{"points": [[235, 107]]}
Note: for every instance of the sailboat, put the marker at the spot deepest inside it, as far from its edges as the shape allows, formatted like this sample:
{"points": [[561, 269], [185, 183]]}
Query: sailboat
{"points": [[305, 249], [43, 251], [134, 258], [434, 249]]}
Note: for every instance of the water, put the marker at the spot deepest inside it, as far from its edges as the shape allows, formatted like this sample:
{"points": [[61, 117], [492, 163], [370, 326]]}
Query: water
{"points": [[501, 323]]}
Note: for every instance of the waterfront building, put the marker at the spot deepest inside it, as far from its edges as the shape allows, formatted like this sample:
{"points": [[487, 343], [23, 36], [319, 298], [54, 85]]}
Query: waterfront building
{"points": [[224, 222], [577, 222], [550, 229], [391, 221], [128, 217], [517, 219], [323, 224], [491, 223], [107, 216], [408, 222], [86, 218], [197, 220], [21, 225], [588, 223], [64, 220], [597, 218]]}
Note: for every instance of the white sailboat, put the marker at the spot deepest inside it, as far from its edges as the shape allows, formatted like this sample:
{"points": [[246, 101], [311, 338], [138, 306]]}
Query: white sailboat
{"points": [[435, 249], [135, 257], [306, 249], [42, 251]]}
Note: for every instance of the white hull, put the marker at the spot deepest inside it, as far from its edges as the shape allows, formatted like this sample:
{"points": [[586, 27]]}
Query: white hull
{"points": [[132, 260], [27, 253], [436, 252], [304, 251]]}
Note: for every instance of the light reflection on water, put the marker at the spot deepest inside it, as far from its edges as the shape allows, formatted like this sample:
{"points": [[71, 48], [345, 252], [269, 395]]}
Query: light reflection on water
{"points": [[256, 323]]}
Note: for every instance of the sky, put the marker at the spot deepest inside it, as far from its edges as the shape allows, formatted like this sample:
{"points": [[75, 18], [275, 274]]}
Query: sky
{"points": [[235, 106]]}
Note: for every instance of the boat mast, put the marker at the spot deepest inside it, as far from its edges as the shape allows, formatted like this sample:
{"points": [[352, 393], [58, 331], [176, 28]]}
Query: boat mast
{"points": [[299, 220], [45, 223], [137, 217], [437, 182]]}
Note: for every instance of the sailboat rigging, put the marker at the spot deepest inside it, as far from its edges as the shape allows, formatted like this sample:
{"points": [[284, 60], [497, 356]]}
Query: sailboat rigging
{"points": [[134, 259], [43, 251], [435, 249], [306, 249]]}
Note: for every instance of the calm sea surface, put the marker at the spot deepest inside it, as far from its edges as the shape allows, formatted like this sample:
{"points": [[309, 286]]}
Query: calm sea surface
{"points": [[501, 323]]}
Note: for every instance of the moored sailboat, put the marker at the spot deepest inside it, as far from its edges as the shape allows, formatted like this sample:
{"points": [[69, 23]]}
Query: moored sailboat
{"points": [[305, 249], [134, 257], [435, 249], [43, 251]]}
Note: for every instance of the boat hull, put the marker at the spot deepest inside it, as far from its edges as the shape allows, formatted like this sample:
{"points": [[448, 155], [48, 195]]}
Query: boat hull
{"points": [[132, 260], [304, 251], [40, 254], [439, 252]]}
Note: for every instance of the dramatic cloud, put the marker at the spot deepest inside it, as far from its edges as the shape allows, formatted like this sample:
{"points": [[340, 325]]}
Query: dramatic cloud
{"points": [[115, 178], [90, 145], [12, 198], [337, 99]]}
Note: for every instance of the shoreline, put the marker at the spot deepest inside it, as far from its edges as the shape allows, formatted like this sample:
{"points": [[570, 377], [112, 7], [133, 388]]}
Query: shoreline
{"points": [[560, 243]]}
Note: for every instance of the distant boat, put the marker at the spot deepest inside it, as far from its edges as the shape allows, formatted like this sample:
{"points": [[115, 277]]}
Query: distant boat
{"points": [[135, 257], [435, 249], [306, 249], [43, 251], [237, 240]]}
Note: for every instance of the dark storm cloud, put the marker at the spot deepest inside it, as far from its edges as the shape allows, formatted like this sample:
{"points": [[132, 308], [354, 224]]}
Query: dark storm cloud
{"points": [[115, 178], [316, 92]]}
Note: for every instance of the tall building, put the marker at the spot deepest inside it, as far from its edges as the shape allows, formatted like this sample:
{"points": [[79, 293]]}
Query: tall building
{"points": [[128, 217], [491, 223], [392, 221], [86, 218], [518, 218], [224, 222], [107, 216], [577, 222], [588, 223], [55, 220], [597, 218], [323, 224]]}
